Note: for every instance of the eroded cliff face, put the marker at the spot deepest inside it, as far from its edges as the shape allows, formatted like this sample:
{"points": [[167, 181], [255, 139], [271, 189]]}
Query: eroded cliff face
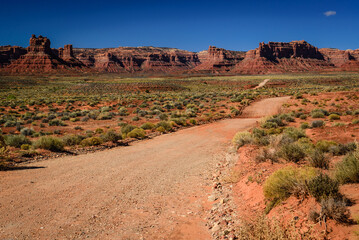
{"points": [[272, 57], [218, 60], [138, 59], [278, 57], [38, 58], [9, 54]]}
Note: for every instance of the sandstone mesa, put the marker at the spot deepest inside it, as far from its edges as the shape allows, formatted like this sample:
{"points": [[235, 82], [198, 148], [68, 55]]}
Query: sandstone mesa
{"points": [[272, 57]]}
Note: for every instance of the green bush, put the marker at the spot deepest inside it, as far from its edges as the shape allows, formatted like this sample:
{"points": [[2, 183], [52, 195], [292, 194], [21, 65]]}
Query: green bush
{"points": [[242, 138], [334, 117], [324, 145], [323, 187], [72, 140], [16, 140], [50, 143], [137, 133], [91, 141], [27, 131], [166, 125], [148, 126], [318, 160], [127, 128], [304, 125], [292, 152], [347, 171], [317, 123], [111, 136], [287, 181], [56, 122], [25, 146], [294, 133]]}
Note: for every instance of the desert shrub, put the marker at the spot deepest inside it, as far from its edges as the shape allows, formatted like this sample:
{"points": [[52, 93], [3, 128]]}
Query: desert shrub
{"points": [[85, 119], [137, 133], [65, 118], [335, 209], [347, 171], [318, 159], [264, 228], [287, 181], [319, 113], [317, 123], [242, 138], [292, 152], [161, 129], [163, 117], [323, 187], [294, 133], [104, 116], [50, 143], [258, 133], [99, 130], [303, 116], [10, 123], [91, 141], [334, 116], [355, 121], [179, 121], [324, 145], [266, 154], [25, 146], [27, 131], [127, 128], [16, 140], [342, 149], [166, 125], [111, 136], [56, 122], [193, 121], [123, 111], [72, 140], [304, 125], [135, 119], [148, 126]]}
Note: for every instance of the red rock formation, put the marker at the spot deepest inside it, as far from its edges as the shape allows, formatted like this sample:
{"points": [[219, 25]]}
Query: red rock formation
{"points": [[10, 53], [218, 60], [137, 59], [277, 57], [39, 58], [273, 57]]}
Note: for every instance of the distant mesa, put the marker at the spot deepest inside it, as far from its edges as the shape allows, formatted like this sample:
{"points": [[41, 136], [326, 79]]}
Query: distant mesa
{"points": [[271, 57]]}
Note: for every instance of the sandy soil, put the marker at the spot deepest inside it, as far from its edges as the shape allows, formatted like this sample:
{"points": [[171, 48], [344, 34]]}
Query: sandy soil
{"points": [[154, 189]]}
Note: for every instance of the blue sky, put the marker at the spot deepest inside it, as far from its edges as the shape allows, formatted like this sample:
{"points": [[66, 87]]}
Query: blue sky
{"points": [[191, 25]]}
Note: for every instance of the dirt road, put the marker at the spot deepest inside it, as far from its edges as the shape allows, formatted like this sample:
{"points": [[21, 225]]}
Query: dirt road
{"points": [[262, 84], [153, 189]]}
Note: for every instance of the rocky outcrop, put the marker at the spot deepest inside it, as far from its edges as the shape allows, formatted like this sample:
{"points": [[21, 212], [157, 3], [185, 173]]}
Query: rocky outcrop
{"points": [[278, 57], [218, 60], [9, 54], [39, 58], [138, 59]]}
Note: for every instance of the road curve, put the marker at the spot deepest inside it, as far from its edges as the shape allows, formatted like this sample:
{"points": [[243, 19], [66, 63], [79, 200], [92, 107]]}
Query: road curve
{"points": [[153, 189]]}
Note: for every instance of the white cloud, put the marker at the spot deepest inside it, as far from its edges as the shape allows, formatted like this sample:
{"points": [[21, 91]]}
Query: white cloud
{"points": [[330, 13]]}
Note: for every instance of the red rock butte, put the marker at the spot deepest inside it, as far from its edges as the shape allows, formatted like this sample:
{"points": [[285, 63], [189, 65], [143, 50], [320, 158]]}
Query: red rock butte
{"points": [[272, 57]]}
